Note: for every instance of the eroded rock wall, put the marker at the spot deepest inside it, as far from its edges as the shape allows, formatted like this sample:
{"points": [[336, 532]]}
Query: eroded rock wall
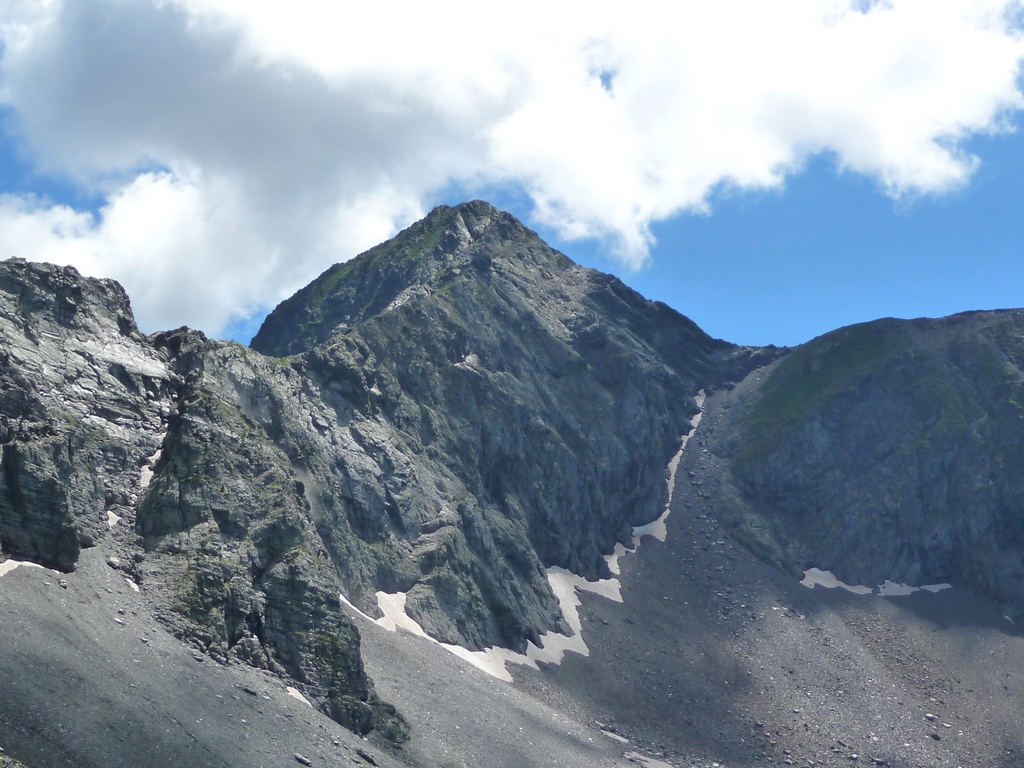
{"points": [[84, 401], [143, 446], [443, 416], [519, 409]]}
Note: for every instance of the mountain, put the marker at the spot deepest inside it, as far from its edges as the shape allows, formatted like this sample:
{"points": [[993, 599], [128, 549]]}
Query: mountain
{"points": [[464, 434], [889, 450], [443, 416], [506, 409]]}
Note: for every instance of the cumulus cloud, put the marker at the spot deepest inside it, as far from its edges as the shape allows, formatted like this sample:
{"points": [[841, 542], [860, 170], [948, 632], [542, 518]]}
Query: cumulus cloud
{"points": [[242, 147]]}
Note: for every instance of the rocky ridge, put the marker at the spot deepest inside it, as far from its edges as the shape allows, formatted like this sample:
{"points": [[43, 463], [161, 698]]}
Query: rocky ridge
{"points": [[517, 411], [444, 416]]}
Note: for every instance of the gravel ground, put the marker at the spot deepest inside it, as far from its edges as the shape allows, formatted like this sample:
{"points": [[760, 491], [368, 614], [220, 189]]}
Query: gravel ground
{"points": [[88, 679], [716, 658], [461, 716]]}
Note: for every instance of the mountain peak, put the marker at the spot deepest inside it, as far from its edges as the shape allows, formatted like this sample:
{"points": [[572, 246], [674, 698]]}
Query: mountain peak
{"points": [[476, 215], [521, 407], [449, 244]]}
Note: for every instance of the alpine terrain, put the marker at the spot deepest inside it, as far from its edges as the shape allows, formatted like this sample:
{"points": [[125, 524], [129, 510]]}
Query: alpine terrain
{"points": [[463, 502]]}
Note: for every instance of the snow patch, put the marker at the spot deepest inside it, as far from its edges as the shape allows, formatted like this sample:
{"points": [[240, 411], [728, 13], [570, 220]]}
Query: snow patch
{"points": [[607, 588], [112, 519], [9, 565], [146, 473], [892, 589], [493, 660], [658, 529], [395, 616], [613, 558], [815, 576], [133, 585], [615, 737], [647, 762], [296, 694]]}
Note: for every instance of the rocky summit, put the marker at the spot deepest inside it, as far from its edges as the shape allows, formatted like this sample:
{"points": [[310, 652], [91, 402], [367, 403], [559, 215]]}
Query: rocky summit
{"points": [[461, 422], [486, 408]]}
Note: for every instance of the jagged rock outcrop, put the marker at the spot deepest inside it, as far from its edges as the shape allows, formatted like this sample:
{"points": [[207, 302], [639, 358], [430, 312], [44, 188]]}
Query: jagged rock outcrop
{"points": [[230, 533], [107, 434], [84, 400], [888, 450]]}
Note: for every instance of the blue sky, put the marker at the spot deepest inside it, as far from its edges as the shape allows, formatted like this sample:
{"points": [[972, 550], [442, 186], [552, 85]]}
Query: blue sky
{"points": [[771, 171], [829, 250], [19, 174]]}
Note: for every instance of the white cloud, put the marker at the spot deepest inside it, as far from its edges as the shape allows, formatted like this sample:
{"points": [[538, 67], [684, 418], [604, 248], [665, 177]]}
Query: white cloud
{"points": [[290, 136], [189, 247]]}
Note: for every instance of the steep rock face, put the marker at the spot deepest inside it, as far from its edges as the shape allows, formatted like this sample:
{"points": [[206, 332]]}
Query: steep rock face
{"points": [[107, 434], [518, 409], [231, 536], [889, 450], [83, 401]]}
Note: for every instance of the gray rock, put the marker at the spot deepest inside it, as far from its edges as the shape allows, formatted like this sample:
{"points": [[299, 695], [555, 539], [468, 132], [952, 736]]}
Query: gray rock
{"points": [[888, 450], [80, 408], [493, 408], [444, 416], [87, 405]]}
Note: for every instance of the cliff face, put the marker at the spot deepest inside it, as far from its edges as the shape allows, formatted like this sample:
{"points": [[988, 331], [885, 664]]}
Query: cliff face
{"points": [[84, 401], [513, 409], [443, 416], [143, 446], [888, 450]]}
